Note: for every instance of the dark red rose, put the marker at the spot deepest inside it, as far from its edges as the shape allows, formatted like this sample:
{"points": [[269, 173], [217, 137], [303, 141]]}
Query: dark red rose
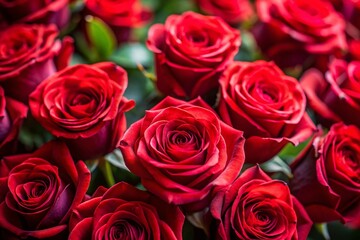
{"points": [[36, 11], [258, 207], [354, 49], [290, 31], [182, 152], [120, 16], [125, 212], [327, 176], [12, 114], [269, 106], [27, 58], [351, 11], [232, 11], [39, 191], [190, 57], [335, 97], [84, 106]]}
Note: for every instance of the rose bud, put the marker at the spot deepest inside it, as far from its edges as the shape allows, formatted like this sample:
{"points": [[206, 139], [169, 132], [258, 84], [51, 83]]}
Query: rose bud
{"points": [[39, 192], [258, 207], [27, 57], [327, 176], [36, 11], [125, 212], [334, 97], [190, 57], [120, 16], [12, 114], [269, 106], [182, 152], [232, 11], [84, 106], [299, 32]]}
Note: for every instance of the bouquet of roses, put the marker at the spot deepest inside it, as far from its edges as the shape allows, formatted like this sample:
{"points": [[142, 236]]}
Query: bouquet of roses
{"points": [[192, 119]]}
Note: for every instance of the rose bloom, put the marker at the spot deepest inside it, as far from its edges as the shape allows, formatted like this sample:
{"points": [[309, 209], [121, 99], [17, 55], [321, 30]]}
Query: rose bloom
{"points": [[258, 207], [269, 106], [232, 11], [354, 49], [36, 11], [292, 30], [327, 176], [120, 16], [39, 191], [190, 57], [27, 57], [182, 152], [12, 114], [84, 106], [125, 212], [334, 97]]}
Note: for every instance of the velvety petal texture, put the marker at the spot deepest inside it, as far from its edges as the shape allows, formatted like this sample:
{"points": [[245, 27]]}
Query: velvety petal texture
{"points": [[335, 95], [12, 114], [124, 212], [232, 11], [290, 31], [84, 106], [36, 11], [190, 57], [182, 152], [257, 207], [328, 171], [269, 106], [27, 55], [39, 191]]}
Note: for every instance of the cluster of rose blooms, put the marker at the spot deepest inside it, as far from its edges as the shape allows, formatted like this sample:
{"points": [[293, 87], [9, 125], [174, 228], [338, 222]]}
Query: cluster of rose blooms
{"points": [[197, 152]]}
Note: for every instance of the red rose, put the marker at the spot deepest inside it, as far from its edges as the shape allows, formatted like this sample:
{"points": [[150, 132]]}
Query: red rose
{"points": [[292, 30], [259, 99], [121, 16], [12, 114], [124, 212], [327, 176], [232, 11], [258, 207], [84, 105], [182, 152], [27, 57], [335, 97], [36, 11], [190, 57], [39, 191], [354, 49], [351, 11]]}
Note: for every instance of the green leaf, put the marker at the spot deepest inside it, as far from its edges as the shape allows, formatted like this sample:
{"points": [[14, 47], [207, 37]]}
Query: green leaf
{"points": [[130, 55], [277, 165], [116, 159], [101, 37], [323, 229]]}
